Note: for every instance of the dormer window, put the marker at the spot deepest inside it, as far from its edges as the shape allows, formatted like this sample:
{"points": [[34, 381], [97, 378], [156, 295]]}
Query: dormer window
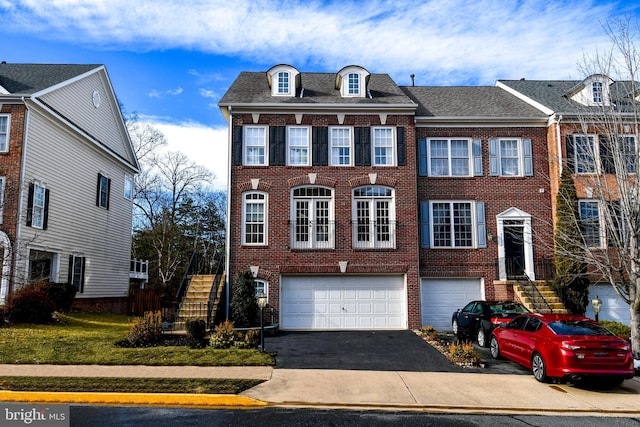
{"points": [[354, 84], [597, 92], [351, 81], [283, 80]]}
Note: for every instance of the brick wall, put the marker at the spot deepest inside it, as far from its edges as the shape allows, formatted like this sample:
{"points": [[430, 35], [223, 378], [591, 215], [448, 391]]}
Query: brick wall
{"points": [[529, 194], [277, 257]]}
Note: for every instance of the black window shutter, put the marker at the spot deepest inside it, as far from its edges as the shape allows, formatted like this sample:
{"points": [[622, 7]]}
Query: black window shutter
{"points": [[570, 154], [83, 259], [366, 146], [357, 142], [98, 189], [606, 158], [402, 150], [70, 272], [273, 146], [237, 145], [282, 145], [320, 143], [30, 206], [108, 192], [45, 219]]}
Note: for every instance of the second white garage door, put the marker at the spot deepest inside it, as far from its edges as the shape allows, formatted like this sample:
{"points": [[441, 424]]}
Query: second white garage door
{"points": [[343, 302], [439, 298]]}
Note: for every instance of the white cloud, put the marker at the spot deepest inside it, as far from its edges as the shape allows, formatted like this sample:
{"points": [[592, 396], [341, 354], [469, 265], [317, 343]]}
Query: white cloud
{"points": [[206, 146], [441, 41]]}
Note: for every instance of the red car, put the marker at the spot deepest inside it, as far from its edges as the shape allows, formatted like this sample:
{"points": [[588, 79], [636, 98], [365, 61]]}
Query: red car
{"points": [[563, 346]]}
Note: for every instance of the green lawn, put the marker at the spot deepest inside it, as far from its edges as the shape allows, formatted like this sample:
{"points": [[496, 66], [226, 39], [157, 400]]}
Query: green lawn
{"points": [[89, 338]]}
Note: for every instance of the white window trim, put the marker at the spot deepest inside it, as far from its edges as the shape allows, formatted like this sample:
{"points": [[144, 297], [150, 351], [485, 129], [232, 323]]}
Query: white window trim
{"points": [[474, 225], [245, 146], [104, 178], [278, 92], [8, 134], [128, 187], [40, 225], [262, 284], [520, 156], [373, 243], [312, 243], [596, 153], [449, 139], [601, 224], [308, 146], [265, 203], [394, 146], [351, 146], [3, 184]]}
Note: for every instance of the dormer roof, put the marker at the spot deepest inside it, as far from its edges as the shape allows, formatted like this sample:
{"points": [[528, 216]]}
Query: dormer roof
{"points": [[353, 81], [284, 80]]}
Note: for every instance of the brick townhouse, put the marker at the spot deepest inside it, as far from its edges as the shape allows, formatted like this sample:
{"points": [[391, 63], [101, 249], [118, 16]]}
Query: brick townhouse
{"points": [[359, 204]]}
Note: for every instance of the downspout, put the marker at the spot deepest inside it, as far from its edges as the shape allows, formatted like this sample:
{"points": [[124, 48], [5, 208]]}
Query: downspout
{"points": [[23, 166], [558, 119], [227, 237]]}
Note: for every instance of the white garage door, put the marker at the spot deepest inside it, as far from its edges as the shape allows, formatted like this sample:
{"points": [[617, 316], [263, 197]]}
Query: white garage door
{"points": [[439, 298], [343, 302], [613, 307]]}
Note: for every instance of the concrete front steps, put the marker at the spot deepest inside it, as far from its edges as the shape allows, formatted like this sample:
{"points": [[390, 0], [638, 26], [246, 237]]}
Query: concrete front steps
{"points": [[195, 304], [544, 300]]}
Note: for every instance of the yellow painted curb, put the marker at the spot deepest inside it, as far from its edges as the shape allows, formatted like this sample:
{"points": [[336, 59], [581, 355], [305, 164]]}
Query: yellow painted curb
{"points": [[153, 399]]}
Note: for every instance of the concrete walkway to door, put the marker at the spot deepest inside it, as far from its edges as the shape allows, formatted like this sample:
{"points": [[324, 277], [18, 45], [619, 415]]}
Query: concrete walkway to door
{"points": [[357, 350]]}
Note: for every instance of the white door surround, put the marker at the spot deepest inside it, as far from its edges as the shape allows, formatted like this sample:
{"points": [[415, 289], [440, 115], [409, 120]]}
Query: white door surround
{"points": [[514, 217]]}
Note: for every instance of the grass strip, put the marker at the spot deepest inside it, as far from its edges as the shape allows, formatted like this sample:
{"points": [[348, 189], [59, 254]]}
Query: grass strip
{"points": [[128, 385]]}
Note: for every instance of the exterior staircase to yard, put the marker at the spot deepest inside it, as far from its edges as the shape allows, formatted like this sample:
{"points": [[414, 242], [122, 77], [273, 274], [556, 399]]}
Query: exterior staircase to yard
{"points": [[200, 300], [538, 296]]}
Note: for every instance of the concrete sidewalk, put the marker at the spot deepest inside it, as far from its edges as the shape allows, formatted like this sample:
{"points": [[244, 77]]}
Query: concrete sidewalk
{"points": [[389, 390]]}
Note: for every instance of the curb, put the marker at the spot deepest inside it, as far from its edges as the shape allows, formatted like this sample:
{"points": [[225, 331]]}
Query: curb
{"points": [[154, 399]]}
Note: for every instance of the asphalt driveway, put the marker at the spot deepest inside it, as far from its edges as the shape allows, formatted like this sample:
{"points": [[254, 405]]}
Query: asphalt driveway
{"points": [[368, 350]]}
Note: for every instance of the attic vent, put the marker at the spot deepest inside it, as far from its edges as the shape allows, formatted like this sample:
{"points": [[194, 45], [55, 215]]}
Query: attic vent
{"points": [[549, 85]]}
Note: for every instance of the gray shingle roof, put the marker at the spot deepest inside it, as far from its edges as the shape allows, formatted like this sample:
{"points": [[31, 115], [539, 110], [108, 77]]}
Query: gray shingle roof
{"points": [[26, 79], [469, 101], [318, 88]]}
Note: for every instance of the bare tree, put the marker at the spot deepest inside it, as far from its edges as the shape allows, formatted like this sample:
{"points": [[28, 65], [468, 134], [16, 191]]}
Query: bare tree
{"points": [[604, 155]]}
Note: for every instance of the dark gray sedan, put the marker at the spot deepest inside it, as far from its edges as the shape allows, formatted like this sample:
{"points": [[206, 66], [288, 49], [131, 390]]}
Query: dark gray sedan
{"points": [[477, 319]]}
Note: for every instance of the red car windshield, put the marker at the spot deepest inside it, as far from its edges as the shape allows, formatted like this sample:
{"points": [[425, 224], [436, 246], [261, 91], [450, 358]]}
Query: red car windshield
{"points": [[578, 327]]}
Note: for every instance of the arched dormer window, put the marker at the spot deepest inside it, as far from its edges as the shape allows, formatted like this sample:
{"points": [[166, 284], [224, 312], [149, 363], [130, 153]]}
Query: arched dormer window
{"points": [[352, 81], [592, 91], [284, 80]]}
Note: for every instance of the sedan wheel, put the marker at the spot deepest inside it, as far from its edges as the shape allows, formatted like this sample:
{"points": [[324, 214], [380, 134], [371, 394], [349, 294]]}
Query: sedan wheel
{"points": [[538, 368], [495, 348], [482, 337], [454, 326]]}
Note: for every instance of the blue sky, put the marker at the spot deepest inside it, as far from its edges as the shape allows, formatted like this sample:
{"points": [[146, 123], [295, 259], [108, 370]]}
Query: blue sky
{"points": [[171, 60]]}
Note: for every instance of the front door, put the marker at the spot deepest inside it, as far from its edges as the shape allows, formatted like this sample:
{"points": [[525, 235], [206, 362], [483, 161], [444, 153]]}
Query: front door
{"points": [[514, 249]]}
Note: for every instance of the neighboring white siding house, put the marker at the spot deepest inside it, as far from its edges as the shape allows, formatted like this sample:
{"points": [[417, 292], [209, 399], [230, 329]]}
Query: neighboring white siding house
{"points": [[74, 221]]}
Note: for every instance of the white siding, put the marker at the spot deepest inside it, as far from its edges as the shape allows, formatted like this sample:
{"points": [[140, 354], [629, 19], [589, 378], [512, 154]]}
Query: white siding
{"points": [[68, 166], [75, 102]]}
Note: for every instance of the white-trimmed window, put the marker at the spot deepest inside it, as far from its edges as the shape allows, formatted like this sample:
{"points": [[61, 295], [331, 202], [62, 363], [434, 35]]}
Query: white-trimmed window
{"points": [[102, 191], [449, 157], [452, 224], [254, 218], [312, 222], [590, 223], [510, 157], [630, 152], [38, 205], [261, 287], [585, 154], [128, 187], [298, 142], [383, 144], [3, 181], [284, 87], [374, 218], [255, 146], [4, 133], [353, 84], [340, 146], [596, 89]]}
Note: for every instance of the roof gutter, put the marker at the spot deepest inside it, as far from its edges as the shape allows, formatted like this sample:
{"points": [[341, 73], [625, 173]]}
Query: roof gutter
{"points": [[480, 121]]}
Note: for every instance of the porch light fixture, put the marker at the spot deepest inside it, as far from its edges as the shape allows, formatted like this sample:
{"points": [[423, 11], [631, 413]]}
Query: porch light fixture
{"points": [[262, 303], [597, 305], [490, 236]]}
